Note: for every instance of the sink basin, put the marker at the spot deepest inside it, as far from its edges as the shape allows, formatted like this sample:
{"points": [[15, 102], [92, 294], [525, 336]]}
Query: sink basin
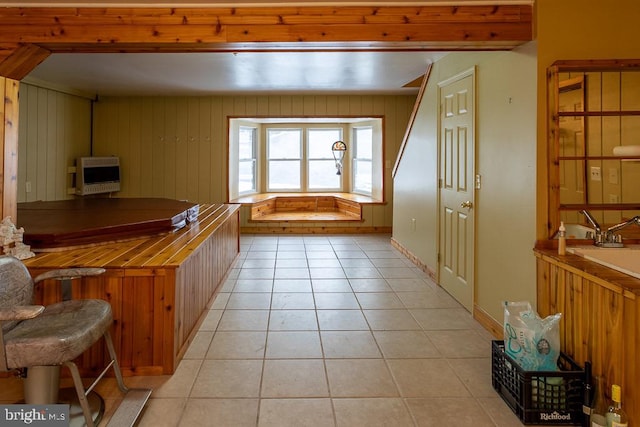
{"points": [[625, 260], [577, 231]]}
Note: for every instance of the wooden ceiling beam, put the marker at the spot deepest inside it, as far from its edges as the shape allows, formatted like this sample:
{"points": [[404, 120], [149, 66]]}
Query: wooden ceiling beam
{"points": [[22, 60], [290, 24], [66, 15], [28, 34], [206, 34], [277, 47]]}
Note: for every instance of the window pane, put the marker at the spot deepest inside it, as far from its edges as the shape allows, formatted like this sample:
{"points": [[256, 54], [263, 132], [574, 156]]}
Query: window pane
{"points": [[246, 139], [284, 175], [284, 143], [247, 173], [364, 143], [320, 142], [362, 175], [322, 175]]}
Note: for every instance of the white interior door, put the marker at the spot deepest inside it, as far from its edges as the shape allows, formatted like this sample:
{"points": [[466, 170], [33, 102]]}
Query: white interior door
{"points": [[456, 218]]}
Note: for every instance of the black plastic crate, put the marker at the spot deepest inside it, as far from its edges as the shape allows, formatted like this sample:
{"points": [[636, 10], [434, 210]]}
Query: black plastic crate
{"points": [[539, 397]]}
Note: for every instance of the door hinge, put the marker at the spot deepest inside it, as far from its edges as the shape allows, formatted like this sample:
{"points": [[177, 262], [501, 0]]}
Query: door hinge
{"points": [[438, 258], [439, 182]]}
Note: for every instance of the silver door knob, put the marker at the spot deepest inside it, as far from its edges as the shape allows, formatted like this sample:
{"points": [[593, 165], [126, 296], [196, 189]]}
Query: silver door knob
{"points": [[466, 204]]}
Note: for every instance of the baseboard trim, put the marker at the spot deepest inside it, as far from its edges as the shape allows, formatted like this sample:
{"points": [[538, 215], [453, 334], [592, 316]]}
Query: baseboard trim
{"points": [[414, 259], [489, 323]]}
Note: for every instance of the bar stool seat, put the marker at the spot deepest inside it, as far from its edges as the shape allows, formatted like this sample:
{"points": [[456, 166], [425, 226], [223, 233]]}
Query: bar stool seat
{"points": [[61, 333]]}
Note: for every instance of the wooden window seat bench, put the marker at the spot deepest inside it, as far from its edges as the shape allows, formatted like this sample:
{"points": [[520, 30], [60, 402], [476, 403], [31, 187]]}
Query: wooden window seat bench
{"points": [[305, 207]]}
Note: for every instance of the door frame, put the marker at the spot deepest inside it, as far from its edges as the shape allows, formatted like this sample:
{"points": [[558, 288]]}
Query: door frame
{"points": [[472, 71]]}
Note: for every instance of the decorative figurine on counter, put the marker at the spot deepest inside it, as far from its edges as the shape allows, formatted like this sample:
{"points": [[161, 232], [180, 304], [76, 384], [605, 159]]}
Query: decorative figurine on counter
{"points": [[11, 238]]}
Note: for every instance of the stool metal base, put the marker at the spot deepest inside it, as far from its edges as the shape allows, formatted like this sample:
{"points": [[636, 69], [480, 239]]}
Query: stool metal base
{"points": [[68, 396], [41, 387]]}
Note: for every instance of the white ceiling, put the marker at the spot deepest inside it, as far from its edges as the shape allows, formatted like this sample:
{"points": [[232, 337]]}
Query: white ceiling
{"points": [[206, 73]]}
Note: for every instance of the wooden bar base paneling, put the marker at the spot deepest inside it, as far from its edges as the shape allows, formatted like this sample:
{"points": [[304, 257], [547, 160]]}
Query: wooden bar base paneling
{"points": [[159, 288], [600, 319]]}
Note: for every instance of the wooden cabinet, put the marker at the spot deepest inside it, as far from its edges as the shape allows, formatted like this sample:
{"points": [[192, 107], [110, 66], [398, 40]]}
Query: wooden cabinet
{"points": [[594, 141], [600, 318]]}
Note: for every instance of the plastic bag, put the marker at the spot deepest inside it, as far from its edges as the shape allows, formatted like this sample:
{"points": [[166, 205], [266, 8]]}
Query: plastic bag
{"points": [[533, 342]]}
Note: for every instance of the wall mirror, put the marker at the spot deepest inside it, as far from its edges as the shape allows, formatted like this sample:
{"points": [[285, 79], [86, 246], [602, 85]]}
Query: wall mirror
{"points": [[594, 150]]}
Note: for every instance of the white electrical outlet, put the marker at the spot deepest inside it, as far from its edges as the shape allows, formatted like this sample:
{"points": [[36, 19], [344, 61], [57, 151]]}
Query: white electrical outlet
{"points": [[596, 173], [27, 187], [613, 198]]}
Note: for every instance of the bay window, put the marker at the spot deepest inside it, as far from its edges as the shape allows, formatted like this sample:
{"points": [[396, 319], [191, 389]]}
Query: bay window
{"points": [[294, 155]]}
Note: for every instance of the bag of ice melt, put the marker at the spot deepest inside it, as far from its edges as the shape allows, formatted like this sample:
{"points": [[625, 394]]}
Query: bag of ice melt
{"points": [[533, 342]]}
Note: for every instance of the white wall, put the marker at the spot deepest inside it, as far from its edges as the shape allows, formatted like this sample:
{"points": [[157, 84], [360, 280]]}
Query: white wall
{"points": [[506, 160]]}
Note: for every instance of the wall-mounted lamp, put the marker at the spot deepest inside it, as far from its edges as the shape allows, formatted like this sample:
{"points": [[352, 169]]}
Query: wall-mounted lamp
{"points": [[338, 148]]}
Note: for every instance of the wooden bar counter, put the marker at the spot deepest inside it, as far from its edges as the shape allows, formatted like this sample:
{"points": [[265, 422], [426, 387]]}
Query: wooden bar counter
{"points": [[159, 288], [600, 318]]}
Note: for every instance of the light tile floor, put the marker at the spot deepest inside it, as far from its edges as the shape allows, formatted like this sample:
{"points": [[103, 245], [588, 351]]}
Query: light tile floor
{"points": [[326, 330]]}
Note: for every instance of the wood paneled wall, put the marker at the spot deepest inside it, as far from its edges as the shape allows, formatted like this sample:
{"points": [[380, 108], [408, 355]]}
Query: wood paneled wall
{"points": [[176, 147], [55, 129]]}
